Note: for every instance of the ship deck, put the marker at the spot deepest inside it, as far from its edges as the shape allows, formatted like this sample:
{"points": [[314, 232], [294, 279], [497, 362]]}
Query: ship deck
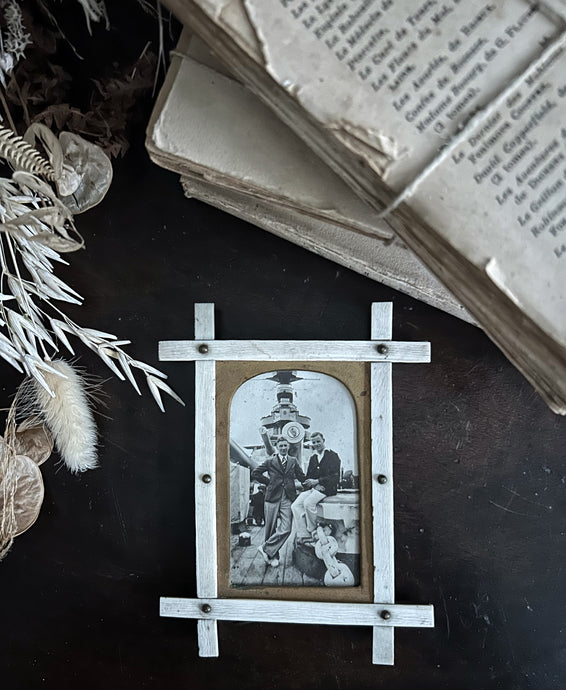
{"points": [[249, 568]]}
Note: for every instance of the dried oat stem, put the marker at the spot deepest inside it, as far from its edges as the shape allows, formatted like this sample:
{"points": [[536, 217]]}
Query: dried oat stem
{"points": [[8, 482]]}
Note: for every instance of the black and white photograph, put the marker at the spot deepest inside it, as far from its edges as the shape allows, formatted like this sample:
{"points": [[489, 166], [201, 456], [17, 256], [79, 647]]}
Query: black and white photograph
{"points": [[294, 482]]}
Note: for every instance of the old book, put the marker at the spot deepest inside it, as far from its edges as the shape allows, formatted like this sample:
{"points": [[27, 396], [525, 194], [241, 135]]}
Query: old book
{"points": [[234, 153], [448, 118]]}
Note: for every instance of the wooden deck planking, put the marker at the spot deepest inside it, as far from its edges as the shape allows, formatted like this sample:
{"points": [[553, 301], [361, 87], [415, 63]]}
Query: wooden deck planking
{"points": [[248, 567]]}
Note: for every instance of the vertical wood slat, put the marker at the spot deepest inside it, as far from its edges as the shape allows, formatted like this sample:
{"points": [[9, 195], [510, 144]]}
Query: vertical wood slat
{"points": [[205, 493], [382, 494]]}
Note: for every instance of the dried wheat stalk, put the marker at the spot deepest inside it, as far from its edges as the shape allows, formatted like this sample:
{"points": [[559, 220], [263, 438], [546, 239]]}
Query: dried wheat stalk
{"points": [[22, 156]]}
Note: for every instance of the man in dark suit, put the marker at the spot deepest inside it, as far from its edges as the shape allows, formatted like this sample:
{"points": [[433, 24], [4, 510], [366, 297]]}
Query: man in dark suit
{"points": [[281, 470], [323, 475]]}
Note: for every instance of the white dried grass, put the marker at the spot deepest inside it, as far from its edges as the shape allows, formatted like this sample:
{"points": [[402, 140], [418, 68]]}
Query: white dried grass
{"points": [[8, 483], [35, 229], [68, 415]]}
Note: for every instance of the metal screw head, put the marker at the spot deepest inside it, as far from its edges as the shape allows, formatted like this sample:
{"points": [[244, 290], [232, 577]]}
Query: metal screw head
{"points": [[386, 615], [382, 349], [206, 608], [206, 478], [203, 349], [382, 479]]}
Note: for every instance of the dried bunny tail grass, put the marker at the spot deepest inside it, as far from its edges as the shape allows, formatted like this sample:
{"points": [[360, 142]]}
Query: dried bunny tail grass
{"points": [[67, 414]]}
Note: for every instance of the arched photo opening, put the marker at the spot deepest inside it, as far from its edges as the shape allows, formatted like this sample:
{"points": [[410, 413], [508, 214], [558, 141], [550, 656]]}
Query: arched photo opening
{"points": [[294, 482]]}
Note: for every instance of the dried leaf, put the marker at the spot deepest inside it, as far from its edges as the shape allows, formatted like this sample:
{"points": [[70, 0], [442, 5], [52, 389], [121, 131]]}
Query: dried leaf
{"points": [[92, 168], [39, 219], [14, 360], [58, 330], [155, 391], [123, 359], [33, 440], [103, 354], [29, 493], [155, 384], [14, 321], [59, 244], [30, 366], [67, 294], [26, 323], [98, 335], [147, 368]]}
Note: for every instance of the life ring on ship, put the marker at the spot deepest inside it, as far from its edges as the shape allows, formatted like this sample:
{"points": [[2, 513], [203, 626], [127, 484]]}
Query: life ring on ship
{"points": [[293, 432]]}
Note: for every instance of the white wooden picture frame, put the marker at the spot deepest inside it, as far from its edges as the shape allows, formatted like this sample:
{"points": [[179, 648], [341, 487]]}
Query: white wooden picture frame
{"points": [[382, 614]]}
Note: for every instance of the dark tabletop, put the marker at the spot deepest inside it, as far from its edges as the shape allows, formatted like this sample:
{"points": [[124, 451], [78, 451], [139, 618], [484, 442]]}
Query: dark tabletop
{"points": [[479, 460]]}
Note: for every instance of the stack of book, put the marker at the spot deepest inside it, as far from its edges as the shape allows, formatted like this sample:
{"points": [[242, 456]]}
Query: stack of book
{"points": [[234, 153], [445, 118]]}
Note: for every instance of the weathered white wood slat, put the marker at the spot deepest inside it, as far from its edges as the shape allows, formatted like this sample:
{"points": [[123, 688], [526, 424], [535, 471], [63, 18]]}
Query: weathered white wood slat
{"points": [[205, 467], [382, 493], [304, 612], [296, 350], [207, 632]]}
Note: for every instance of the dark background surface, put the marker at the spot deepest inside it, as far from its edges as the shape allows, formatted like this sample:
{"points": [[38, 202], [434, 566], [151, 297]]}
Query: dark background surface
{"points": [[479, 462]]}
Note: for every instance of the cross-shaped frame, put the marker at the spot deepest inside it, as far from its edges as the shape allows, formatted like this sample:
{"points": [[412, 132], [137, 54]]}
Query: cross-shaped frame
{"points": [[383, 615]]}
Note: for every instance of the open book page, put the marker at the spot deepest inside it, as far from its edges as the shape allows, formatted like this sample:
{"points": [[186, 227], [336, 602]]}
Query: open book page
{"points": [[390, 87], [404, 77], [511, 213], [395, 78]]}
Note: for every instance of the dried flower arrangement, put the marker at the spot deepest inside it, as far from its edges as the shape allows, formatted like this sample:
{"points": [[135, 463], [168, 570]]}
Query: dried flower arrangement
{"points": [[53, 178], [36, 227], [14, 39]]}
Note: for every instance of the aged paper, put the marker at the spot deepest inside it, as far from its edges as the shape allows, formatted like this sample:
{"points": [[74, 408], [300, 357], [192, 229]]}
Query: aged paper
{"points": [[511, 214], [466, 99], [405, 77]]}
